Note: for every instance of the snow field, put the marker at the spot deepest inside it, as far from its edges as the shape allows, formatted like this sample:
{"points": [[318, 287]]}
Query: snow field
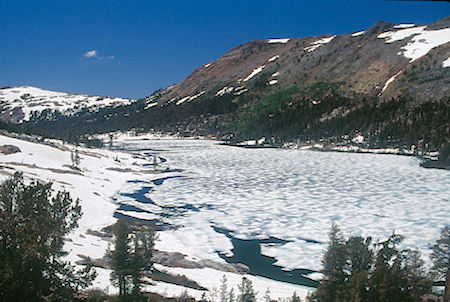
{"points": [[211, 279], [224, 90], [421, 42], [272, 59], [94, 188], [39, 99]]}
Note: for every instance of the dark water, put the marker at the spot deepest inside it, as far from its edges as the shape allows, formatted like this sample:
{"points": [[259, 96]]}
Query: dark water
{"points": [[141, 196], [248, 252]]}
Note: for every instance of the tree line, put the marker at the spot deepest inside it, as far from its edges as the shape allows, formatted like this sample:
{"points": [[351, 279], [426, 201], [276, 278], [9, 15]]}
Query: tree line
{"points": [[356, 269], [319, 112]]}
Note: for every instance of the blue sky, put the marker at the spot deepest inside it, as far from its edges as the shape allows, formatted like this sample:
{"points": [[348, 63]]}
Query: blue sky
{"points": [[130, 48]]}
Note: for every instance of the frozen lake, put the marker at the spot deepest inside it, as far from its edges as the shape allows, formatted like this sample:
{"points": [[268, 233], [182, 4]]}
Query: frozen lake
{"points": [[290, 196]]}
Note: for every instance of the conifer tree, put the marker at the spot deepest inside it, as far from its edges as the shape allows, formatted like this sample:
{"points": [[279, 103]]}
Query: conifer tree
{"points": [[121, 259], [357, 267], [136, 266], [441, 259], [353, 273], [147, 237], [132, 255], [295, 298], [246, 291], [267, 295], [231, 297], [33, 224], [223, 289], [333, 263], [398, 275]]}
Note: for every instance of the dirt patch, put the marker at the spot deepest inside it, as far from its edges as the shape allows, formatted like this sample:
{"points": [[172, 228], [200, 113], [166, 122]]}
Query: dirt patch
{"points": [[175, 259], [54, 170], [9, 149]]}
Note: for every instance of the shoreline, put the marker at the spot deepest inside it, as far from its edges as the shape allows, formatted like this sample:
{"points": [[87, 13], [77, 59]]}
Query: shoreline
{"points": [[429, 159]]}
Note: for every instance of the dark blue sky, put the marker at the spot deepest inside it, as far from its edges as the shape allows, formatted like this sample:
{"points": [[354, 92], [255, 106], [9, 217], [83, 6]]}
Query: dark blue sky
{"points": [[141, 46]]}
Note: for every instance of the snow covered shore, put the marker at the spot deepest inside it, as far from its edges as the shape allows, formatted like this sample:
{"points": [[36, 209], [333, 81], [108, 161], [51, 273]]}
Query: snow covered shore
{"points": [[102, 175]]}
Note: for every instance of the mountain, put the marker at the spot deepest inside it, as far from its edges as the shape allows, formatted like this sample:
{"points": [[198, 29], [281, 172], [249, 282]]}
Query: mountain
{"points": [[24, 103], [384, 61], [387, 86]]}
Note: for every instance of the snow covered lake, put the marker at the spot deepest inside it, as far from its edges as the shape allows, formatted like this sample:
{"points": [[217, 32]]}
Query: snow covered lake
{"points": [[284, 200]]}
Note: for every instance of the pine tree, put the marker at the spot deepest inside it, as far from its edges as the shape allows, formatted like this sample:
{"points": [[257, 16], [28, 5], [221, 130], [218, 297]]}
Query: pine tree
{"points": [[136, 266], [246, 291], [357, 267], [398, 274], [132, 254], [33, 225], [267, 295], [75, 158], [121, 259], [223, 289], [147, 237], [333, 263], [441, 260], [352, 272], [295, 298], [231, 297]]}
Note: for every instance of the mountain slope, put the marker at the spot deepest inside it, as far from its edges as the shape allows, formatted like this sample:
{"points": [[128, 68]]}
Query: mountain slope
{"points": [[362, 63]]}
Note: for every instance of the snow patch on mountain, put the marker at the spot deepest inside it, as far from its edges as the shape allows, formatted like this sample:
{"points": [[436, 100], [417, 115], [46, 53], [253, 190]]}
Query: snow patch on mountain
{"points": [[31, 99], [254, 72], [274, 41], [359, 33], [422, 40], [224, 90], [446, 63], [273, 82], [390, 81], [273, 58], [318, 43], [189, 98], [240, 90], [151, 105], [404, 25]]}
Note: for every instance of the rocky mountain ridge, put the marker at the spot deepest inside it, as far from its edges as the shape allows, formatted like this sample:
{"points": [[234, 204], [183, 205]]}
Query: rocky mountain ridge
{"points": [[382, 61]]}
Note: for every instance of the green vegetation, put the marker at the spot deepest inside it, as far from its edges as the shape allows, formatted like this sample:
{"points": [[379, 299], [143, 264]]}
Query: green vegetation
{"points": [[441, 260], [131, 257], [33, 224], [354, 269], [321, 89]]}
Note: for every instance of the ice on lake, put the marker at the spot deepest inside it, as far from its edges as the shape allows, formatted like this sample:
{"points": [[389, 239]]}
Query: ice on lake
{"points": [[293, 195]]}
